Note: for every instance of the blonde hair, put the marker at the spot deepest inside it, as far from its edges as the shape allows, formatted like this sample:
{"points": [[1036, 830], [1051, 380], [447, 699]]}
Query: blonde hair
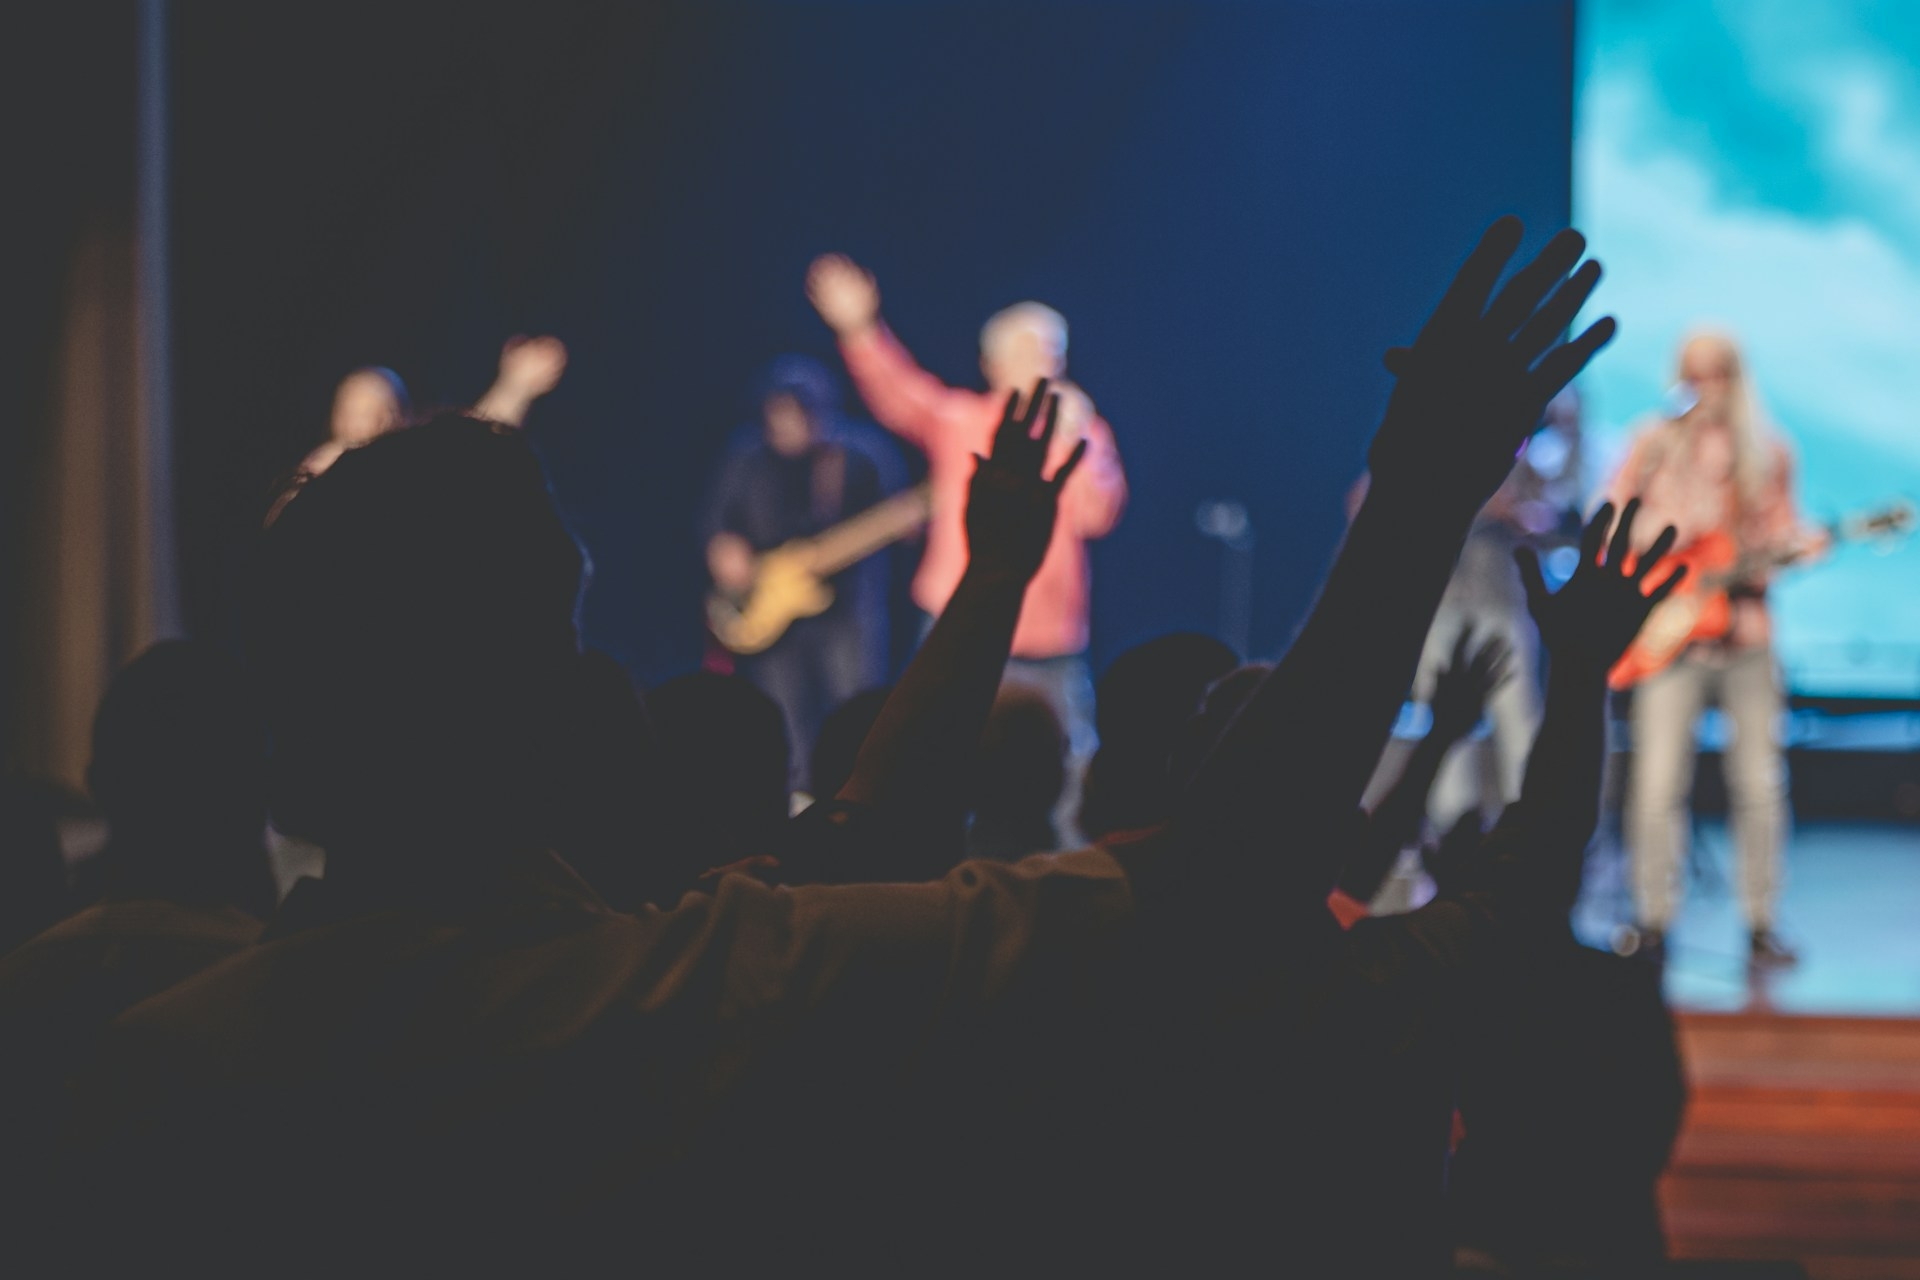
{"points": [[1746, 419], [1024, 317]]}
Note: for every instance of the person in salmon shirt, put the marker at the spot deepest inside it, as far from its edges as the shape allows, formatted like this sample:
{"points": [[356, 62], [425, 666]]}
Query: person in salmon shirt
{"points": [[1018, 346]]}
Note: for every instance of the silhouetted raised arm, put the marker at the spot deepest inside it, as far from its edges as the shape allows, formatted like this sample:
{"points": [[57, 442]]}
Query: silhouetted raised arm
{"points": [[1460, 694], [1586, 626], [1534, 855], [1470, 390], [915, 760]]}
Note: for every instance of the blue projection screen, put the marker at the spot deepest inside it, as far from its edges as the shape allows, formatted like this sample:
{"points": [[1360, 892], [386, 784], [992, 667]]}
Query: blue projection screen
{"points": [[1754, 165]]}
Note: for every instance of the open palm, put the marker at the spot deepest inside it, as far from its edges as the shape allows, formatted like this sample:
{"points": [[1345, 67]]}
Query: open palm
{"points": [[1595, 616]]}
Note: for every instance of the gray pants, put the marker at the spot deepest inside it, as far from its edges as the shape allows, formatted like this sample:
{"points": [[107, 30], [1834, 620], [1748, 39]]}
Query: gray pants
{"points": [[1666, 711]]}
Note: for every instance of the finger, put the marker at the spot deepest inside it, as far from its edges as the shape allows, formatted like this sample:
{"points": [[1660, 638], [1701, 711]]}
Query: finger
{"points": [[1052, 420], [1068, 467], [1466, 297], [1006, 437], [1531, 578], [1531, 283], [1623, 536], [1551, 320], [1595, 535], [1665, 589], [1035, 403], [1564, 363], [1651, 556]]}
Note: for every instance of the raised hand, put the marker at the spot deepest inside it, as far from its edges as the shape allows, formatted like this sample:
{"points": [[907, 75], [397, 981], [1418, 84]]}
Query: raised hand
{"points": [[843, 292], [1460, 692], [1010, 507], [1595, 616], [1473, 385], [531, 367]]}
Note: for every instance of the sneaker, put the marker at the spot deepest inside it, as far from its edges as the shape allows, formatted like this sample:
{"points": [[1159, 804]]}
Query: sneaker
{"points": [[1765, 948]]}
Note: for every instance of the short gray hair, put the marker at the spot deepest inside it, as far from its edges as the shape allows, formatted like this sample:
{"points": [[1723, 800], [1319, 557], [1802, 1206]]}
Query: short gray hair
{"points": [[1032, 317]]}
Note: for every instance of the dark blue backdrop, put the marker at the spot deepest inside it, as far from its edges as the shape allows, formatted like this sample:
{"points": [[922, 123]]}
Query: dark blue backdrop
{"points": [[1237, 207]]}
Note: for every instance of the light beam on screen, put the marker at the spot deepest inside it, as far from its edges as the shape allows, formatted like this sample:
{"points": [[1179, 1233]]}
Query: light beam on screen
{"points": [[1755, 165]]}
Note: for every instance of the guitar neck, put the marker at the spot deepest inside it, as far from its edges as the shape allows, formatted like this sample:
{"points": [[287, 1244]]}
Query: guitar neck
{"points": [[853, 540], [1839, 532]]}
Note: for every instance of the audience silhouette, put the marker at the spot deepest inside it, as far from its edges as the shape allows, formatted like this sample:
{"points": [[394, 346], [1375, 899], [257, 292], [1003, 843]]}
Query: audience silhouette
{"points": [[841, 734], [573, 979], [722, 792], [33, 868]]}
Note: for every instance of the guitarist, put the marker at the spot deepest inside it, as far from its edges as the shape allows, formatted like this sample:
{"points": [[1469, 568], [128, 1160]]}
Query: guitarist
{"points": [[1714, 468], [796, 472]]}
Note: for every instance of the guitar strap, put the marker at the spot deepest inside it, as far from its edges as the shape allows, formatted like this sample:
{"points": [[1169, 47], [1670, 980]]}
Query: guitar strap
{"points": [[829, 484]]}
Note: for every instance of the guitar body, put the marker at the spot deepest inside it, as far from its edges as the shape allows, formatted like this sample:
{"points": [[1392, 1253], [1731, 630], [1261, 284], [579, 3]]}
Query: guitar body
{"points": [[792, 581], [1697, 611], [785, 589], [1699, 608]]}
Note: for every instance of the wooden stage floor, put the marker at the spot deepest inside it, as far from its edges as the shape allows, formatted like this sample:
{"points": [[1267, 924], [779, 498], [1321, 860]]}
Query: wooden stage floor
{"points": [[1802, 1138]]}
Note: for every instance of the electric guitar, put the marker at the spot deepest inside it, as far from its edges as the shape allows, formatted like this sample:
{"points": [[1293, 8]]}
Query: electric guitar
{"points": [[1701, 610], [790, 581]]}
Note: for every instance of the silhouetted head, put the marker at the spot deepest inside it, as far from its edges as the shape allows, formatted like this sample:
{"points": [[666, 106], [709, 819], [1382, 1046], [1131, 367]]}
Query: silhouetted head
{"points": [[723, 774], [415, 641], [610, 792], [368, 403], [1019, 773], [1143, 704], [1219, 704], [1022, 344], [838, 745], [180, 768], [1311, 857]]}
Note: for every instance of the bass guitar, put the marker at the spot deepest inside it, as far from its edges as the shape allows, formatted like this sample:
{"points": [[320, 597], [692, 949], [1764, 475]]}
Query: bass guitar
{"points": [[790, 582], [1700, 609]]}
